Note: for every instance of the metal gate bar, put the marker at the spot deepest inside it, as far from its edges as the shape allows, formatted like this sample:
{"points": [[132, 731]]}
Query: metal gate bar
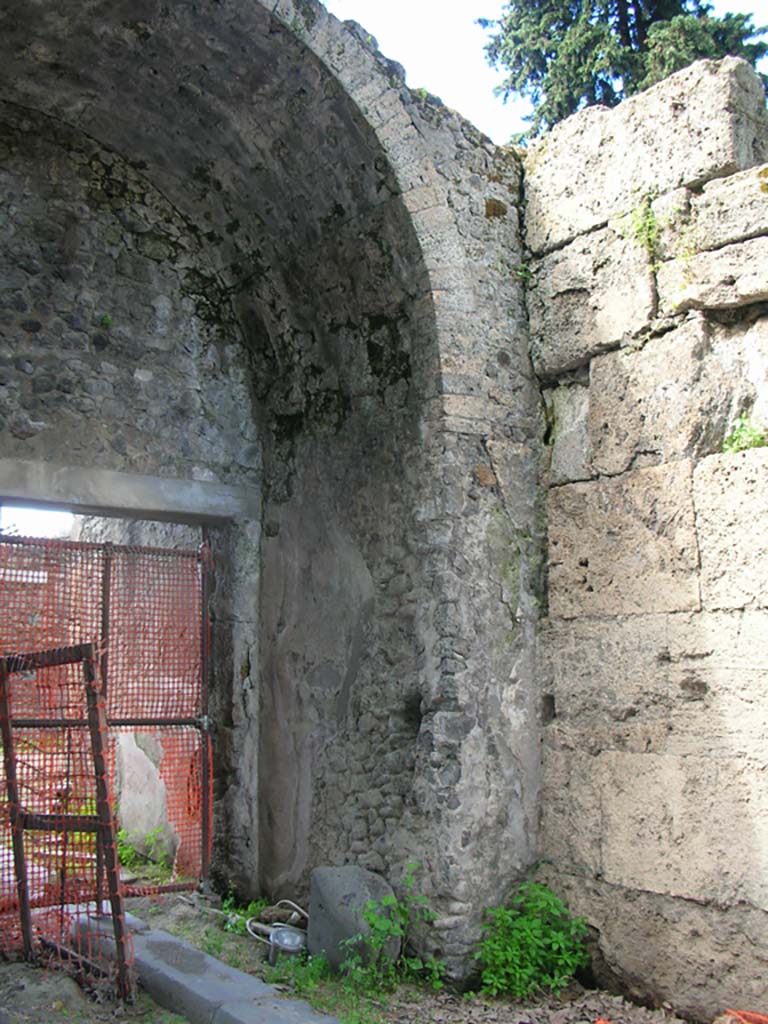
{"points": [[103, 823], [205, 667], [15, 813], [97, 722]]}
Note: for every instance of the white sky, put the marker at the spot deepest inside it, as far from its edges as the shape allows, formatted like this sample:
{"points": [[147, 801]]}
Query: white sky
{"points": [[441, 48], [34, 522]]}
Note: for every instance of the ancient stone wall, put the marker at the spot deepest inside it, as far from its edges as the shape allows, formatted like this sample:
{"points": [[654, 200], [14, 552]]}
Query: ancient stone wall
{"points": [[400, 734], [103, 324], [237, 248], [648, 230], [240, 248]]}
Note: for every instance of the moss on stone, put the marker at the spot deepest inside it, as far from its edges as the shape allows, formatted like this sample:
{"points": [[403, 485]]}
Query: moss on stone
{"points": [[307, 11], [495, 208]]}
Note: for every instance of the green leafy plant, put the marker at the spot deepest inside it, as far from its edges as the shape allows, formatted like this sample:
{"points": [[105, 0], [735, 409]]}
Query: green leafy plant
{"points": [[127, 853], [366, 965], [359, 992], [305, 974], [238, 915], [311, 978], [146, 856], [745, 435], [532, 944], [153, 843], [105, 321], [642, 227]]}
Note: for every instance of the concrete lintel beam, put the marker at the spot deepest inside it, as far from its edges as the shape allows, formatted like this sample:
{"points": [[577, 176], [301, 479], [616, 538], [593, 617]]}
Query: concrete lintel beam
{"points": [[130, 495]]}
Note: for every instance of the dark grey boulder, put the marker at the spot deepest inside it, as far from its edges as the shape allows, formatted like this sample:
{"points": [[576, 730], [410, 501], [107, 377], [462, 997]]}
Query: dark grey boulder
{"points": [[337, 898]]}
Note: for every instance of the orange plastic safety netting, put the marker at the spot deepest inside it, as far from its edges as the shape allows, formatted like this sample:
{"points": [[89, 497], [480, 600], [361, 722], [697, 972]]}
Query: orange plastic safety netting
{"points": [[106, 753]]}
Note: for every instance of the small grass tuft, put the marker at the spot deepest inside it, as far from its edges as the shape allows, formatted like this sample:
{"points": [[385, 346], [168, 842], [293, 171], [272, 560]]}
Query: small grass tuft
{"points": [[745, 435]]}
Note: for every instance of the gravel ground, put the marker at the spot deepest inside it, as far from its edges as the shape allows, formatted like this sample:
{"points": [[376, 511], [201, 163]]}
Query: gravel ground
{"points": [[577, 1006], [36, 996]]}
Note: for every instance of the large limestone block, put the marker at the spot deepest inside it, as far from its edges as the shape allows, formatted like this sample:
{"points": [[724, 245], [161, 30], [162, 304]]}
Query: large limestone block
{"points": [[624, 546], [678, 684], [672, 398], [570, 814], [731, 501], [706, 121], [727, 210], [695, 827], [568, 409], [731, 209], [754, 365], [586, 298], [595, 672], [699, 956], [719, 667], [727, 278], [691, 826]]}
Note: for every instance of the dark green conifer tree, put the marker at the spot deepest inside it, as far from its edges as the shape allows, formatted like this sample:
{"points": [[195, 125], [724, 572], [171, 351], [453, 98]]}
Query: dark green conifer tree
{"points": [[568, 54]]}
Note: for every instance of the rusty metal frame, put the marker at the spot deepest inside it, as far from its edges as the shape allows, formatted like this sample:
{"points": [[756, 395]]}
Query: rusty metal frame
{"points": [[97, 722], [16, 813], [102, 823], [96, 677]]}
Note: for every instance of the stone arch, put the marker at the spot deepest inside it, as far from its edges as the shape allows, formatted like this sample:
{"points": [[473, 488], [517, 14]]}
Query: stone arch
{"points": [[254, 257], [238, 116]]}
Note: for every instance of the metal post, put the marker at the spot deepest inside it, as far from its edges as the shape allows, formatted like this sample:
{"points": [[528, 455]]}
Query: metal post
{"points": [[205, 737], [106, 590], [16, 816], [97, 723]]}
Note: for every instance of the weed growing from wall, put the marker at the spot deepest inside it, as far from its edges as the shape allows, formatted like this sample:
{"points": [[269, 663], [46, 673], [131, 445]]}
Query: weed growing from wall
{"points": [[641, 226], [745, 435]]}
